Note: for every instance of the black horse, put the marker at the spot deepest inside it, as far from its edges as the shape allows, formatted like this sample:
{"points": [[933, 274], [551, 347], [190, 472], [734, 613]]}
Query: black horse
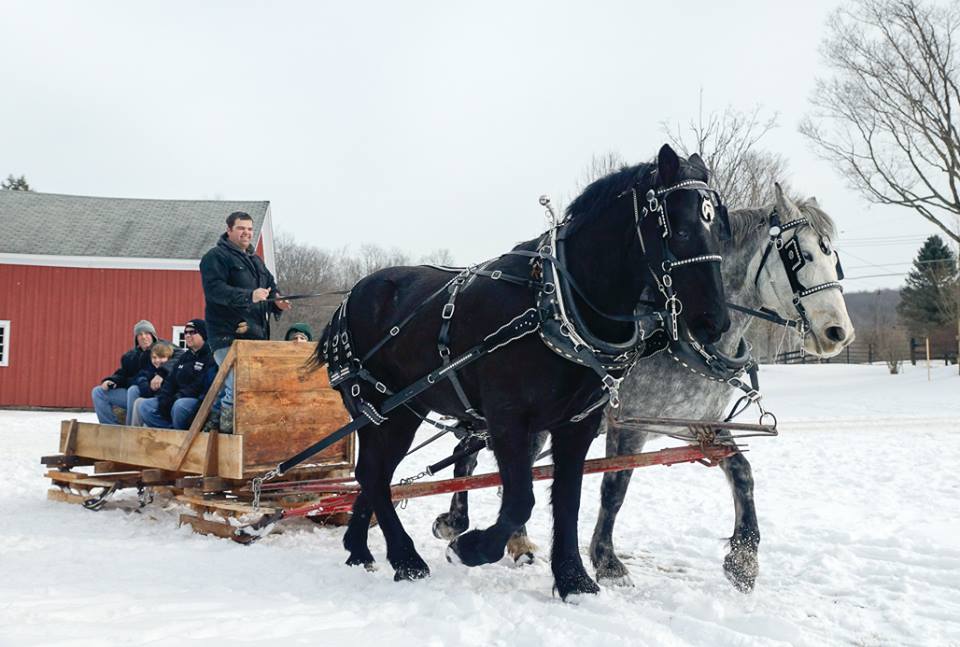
{"points": [[644, 226]]}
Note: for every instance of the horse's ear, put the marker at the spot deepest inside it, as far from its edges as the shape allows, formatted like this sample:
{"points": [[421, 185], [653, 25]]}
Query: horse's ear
{"points": [[812, 201], [668, 165], [697, 161], [784, 206]]}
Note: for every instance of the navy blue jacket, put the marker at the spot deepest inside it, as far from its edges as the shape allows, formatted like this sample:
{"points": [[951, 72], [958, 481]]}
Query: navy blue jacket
{"points": [[131, 363], [142, 380], [229, 278], [190, 377]]}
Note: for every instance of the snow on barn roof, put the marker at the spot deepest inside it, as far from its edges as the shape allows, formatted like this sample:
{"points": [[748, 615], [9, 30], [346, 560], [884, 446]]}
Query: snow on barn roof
{"points": [[51, 224]]}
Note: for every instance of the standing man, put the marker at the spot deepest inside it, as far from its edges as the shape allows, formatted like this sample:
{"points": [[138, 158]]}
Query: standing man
{"points": [[236, 286], [185, 386], [118, 390]]}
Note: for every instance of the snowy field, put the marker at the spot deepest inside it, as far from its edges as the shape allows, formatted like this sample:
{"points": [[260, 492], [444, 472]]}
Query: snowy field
{"points": [[857, 500]]}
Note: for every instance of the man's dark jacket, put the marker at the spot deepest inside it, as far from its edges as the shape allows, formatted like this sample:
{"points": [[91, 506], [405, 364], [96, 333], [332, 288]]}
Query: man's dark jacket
{"points": [[230, 276], [190, 377], [131, 363]]}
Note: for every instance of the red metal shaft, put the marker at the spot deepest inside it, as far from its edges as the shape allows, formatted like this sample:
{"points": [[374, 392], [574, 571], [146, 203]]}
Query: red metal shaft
{"points": [[671, 456]]}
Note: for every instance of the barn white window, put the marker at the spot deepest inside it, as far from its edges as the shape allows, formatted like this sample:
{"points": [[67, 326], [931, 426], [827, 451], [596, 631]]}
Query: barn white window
{"points": [[177, 336], [4, 342]]}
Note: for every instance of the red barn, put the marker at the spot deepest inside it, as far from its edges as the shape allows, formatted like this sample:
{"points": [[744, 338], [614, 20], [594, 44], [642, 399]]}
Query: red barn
{"points": [[78, 272]]}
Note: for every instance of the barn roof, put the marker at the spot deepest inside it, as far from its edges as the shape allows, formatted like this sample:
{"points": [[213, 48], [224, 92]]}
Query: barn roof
{"points": [[73, 225]]}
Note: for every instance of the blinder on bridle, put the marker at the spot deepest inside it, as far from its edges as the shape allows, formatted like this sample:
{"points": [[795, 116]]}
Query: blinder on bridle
{"points": [[710, 205], [791, 255]]}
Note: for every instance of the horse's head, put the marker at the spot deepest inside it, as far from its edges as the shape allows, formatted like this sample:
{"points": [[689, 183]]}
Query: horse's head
{"points": [[800, 275], [681, 210]]}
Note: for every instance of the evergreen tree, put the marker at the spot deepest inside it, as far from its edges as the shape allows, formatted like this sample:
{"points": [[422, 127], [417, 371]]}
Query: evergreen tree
{"points": [[15, 184], [929, 298]]}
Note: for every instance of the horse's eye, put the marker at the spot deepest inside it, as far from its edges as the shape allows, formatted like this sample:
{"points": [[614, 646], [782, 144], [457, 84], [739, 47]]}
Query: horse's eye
{"points": [[808, 256], [683, 234], [825, 246]]}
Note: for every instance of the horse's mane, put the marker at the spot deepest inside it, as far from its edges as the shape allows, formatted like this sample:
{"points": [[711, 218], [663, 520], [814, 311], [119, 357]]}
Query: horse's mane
{"points": [[598, 196], [744, 223]]}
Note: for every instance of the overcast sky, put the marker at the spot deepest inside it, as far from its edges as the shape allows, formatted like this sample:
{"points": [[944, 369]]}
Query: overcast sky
{"points": [[420, 125]]}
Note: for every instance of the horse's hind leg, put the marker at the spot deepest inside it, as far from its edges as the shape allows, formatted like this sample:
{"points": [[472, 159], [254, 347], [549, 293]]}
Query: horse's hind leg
{"points": [[381, 450], [451, 524], [610, 570], [520, 547], [741, 565], [511, 446]]}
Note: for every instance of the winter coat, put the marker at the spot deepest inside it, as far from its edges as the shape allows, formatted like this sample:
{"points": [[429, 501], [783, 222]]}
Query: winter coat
{"points": [[190, 377], [229, 278], [131, 363], [143, 378]]}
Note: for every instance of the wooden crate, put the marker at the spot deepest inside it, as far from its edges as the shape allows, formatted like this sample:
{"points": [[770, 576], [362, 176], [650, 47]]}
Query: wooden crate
{"points": [[280, 409]]}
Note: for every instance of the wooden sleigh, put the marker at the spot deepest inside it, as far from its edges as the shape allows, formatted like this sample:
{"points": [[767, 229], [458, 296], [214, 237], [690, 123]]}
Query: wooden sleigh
{"points": [[278, 410]]}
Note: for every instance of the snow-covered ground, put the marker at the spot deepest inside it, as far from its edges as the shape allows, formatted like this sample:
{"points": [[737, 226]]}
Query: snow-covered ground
{"points": [[858, 505]]}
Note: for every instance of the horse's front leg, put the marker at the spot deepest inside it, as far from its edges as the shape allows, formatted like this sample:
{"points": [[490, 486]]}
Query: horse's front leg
{"points": [[741, 565], [570, 445], [449, 525], [511, 445]]}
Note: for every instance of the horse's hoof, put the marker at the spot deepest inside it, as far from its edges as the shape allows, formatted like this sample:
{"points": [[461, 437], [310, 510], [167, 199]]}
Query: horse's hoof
{"points": [[416, 569], [618, 581], [453, 556], [524, 559], [574, 580], [741, 568], [366, 561], [444, 529]]}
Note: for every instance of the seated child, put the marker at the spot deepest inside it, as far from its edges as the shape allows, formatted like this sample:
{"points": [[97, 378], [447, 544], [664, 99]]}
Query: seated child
{"points": [[150, 379]]}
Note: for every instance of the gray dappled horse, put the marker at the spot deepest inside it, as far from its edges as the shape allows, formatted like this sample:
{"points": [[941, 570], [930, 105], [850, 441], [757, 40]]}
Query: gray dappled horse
{"points": [[683, 394], [751, 281]]}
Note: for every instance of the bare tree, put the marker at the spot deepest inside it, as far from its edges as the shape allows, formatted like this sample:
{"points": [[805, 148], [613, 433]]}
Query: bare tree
{"points": [[441, 257], [887, 118], [728, 143], [600, 165]]}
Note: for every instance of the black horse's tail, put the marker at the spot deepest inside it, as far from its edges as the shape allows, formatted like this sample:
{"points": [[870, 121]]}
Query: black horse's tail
{"points": [[319, 358]]}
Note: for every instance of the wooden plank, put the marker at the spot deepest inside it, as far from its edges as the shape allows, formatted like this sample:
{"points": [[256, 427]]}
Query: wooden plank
{"points": [[266, 373], [158, 448], [210, 456], [203, 526], [56, 494], [124, 479], [277, 425], [60, 460], [155, 476], [204, 411], [100, 467], [68, 437], [222, 504]]}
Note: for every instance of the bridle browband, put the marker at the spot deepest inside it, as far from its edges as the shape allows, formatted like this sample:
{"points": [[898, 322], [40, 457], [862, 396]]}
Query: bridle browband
{"points": [[791, 257]]}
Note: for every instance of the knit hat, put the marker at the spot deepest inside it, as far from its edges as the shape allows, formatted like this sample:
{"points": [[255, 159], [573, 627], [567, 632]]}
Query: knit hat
{"points": [[144, 326], [200, 325], [299, 327]]}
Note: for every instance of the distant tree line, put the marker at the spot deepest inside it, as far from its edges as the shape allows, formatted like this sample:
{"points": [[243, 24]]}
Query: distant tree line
{"points": [[303, 268]]}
